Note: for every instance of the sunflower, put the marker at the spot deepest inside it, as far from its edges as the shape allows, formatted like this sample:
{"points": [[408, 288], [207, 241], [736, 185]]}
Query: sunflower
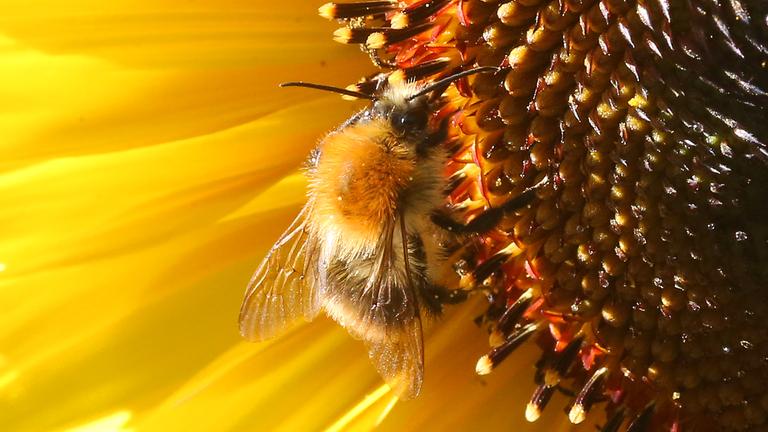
{"points": [[150, 161], [629, 156]]}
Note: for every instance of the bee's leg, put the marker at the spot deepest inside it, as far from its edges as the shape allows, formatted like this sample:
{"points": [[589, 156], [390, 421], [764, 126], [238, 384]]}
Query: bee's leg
{"points": [[454, 182], [376, 59], [487, 220]]}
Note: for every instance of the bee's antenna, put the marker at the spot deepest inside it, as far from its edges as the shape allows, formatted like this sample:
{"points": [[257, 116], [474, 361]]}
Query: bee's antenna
{"points": [[329, 88], [451, 78]]}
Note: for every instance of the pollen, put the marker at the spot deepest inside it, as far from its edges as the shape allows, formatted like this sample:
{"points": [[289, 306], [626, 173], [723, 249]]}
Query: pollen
{"points": [[375, 41], [327, 10], [639, 266]]}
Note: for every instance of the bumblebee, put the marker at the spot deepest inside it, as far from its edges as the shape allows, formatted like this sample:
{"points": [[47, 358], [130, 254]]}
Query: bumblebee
{"points": [[369, 246]]}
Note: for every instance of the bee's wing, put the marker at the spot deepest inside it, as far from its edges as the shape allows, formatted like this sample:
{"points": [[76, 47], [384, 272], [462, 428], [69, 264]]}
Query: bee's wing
{"points": [[399, 355], [283, 289], [399, 358]]}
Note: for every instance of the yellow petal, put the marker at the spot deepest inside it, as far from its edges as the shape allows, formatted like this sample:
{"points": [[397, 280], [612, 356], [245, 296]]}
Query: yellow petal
{"points": [[141, 154]]}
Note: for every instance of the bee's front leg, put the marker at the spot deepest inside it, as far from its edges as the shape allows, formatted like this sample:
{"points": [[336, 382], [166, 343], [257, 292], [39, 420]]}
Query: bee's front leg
{"points": [[484, 222]]}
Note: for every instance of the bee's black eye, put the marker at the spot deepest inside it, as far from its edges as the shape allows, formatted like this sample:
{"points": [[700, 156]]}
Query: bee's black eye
{"points": [[408, 122]]}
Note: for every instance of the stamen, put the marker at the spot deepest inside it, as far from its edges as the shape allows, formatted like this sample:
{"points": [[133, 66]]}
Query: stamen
{"points": [[538, 402], [423, 70], [489, 266], [614, 423], [490, 361], [356, 35], [584, 400], [512, 315], [417, 13], [642, 423], [399, 21], [355, 10], [567, 357], [389, 36]]}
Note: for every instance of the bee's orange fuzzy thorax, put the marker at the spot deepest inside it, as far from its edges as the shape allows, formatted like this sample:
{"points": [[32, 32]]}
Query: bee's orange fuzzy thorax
{"points": [[362, 172]]}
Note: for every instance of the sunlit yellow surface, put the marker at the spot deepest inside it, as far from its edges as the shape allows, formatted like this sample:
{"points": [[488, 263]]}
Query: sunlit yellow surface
{"points": [[347, 420], [112, 423], [148, 162]]}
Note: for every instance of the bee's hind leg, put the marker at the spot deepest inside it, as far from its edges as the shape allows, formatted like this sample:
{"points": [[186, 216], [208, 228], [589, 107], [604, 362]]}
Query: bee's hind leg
{"points": [[486, 220]]}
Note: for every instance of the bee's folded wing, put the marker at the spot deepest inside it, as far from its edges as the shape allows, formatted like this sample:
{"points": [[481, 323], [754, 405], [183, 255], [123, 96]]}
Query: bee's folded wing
{"points": [[399, 359], [283, 290], [399, 354]]}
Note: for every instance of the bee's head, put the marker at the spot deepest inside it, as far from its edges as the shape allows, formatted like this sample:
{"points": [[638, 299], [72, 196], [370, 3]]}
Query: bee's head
{"points": [[405, 106], [408, 117]]}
